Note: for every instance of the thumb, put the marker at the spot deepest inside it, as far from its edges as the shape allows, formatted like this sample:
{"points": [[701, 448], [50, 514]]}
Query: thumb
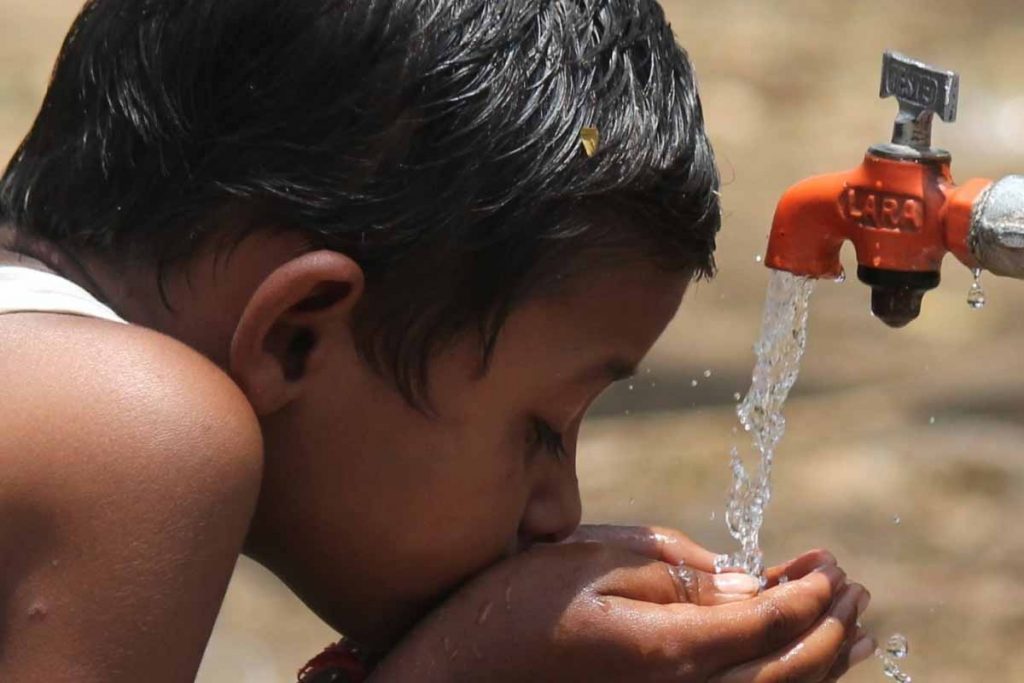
{"points": [[663, 583], [707, 589]]}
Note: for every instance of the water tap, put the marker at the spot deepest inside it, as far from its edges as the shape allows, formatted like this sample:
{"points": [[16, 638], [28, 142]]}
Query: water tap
{"points": [[900, 208]]}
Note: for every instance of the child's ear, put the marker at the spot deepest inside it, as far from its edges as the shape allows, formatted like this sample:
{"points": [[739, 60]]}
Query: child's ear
{"points": [[281, 334]]}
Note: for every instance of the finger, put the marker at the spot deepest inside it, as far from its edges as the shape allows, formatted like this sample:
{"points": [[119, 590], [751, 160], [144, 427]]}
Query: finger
{"points": [[799, 566], [633, 577], [745, 631], [661, 583], [705, 589], [811, 658], [657, 543], [857, 648]]}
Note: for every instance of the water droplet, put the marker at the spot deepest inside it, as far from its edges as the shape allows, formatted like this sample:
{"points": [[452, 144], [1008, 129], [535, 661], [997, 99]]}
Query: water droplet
{"points": [[931, 420], [54, 563], [694, 383], [707, 374], [627, 411], [736, 396], [631, 387], [722, 562], [895, 649], [605, 605], [485, 611], [38, 611], [896, 520], [783, 580], [632, 501], [897, 646], [976, 295], [892, 670], [758, 258]]}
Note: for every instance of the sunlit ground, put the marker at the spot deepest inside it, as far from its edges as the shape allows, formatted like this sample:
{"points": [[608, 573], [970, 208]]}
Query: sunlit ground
{"points": [[903, 451]]}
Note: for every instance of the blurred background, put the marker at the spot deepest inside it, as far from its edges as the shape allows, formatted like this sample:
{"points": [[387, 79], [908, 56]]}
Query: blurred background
{"points": [[903, 453]]}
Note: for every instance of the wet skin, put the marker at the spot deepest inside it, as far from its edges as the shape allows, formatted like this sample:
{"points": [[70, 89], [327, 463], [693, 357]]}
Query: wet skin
{"points": [[374, 511]]}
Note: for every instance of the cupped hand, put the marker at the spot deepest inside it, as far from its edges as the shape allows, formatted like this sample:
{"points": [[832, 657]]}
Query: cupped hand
{"points": [[615, 605]]}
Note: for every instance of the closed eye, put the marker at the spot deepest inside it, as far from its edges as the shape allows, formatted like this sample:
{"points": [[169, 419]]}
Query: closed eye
{"points": [[545, 436]]}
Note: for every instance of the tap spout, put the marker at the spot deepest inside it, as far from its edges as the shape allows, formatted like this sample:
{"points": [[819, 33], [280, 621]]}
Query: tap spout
{"points": [[808, 230]]}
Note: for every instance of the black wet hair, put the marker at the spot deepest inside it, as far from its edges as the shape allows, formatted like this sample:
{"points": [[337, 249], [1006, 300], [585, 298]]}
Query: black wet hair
{"points": [[437, 142]]}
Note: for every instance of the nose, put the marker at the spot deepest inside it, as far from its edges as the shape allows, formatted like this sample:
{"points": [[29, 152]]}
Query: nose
{"points": [[553, 510]]}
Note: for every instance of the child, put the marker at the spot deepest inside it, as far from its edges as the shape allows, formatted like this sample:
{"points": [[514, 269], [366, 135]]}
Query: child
{"points": [[372, 280]]}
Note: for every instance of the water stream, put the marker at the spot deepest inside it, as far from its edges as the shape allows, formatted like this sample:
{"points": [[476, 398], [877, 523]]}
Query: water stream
{"points": [[782, 342], [778, 351]]}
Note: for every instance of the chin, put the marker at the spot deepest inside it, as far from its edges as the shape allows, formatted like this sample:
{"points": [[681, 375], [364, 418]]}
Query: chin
{"points": [[391, 624], [386, 627], [380, 621]]}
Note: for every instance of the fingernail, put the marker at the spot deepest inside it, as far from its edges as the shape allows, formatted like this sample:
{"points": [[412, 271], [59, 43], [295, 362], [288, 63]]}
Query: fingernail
{"points": [[736, 583], [844, 608], [862, 649], [828, 557], [863, 601], [835, 575]]}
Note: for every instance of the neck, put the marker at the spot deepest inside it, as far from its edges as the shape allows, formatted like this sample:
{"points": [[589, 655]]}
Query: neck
{"points": [[198, 303]]}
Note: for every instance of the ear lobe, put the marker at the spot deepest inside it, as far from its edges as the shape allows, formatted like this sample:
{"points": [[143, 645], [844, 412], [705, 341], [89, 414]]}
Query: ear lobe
{"points": [[299, 309]]}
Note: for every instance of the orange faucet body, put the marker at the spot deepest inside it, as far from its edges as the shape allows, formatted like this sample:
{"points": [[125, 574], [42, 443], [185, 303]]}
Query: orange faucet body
{"points": [[900, 208], [900, 215]]}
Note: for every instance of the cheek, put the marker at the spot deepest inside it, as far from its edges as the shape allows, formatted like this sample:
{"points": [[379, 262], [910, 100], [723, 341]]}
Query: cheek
{"points": [[461, 502], [411, 502]]}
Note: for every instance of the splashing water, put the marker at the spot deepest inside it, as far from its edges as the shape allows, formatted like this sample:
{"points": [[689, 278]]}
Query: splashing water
{"points": [[783, 338], [896, 648]]}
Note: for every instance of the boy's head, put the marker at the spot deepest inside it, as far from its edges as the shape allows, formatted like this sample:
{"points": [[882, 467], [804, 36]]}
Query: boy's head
{"points": [[403, 180]]}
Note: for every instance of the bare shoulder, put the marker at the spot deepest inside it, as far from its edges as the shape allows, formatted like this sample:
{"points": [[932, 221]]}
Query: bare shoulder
{"points": [[130, 466], [71, 382]]}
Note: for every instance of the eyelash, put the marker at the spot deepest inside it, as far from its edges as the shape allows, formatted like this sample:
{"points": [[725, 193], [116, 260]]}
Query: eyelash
{"points": [[546, 437]]}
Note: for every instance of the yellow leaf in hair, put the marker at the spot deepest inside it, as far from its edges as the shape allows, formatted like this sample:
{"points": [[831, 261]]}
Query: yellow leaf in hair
{"points": [[590, 139]]}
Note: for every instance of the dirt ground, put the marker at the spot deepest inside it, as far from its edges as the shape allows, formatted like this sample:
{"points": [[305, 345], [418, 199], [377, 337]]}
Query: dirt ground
{"points": [[903, 450]]}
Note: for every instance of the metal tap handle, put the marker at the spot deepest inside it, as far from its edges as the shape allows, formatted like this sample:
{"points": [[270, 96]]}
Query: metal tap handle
{"points": [[922, 91]]}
